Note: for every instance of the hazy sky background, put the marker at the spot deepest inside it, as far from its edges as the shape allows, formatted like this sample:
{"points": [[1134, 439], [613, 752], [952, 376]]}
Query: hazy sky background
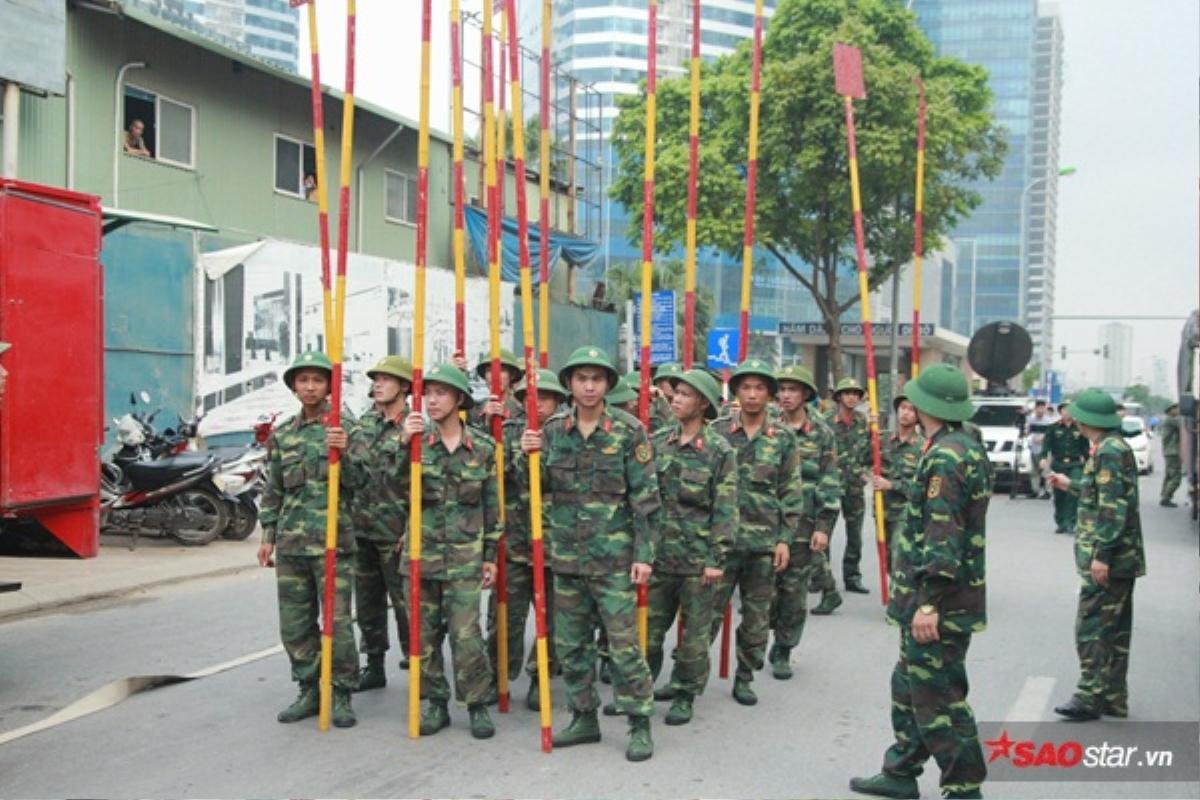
{"points": [[1128, 221]]}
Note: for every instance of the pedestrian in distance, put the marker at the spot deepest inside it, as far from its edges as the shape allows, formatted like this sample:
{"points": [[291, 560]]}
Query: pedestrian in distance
{"points": [[293, 513], [937, 599], [1109, 558], [1172, 468]]}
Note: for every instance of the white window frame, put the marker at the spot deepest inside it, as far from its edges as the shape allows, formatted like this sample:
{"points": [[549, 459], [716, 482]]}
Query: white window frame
{"points": [[275, 165], [388, 217], [158, 98]]}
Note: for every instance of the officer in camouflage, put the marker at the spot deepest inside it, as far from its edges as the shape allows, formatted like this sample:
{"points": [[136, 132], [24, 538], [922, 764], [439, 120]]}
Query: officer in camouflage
{"points": [[938, 599], [1172, 469], [697, 475], [1109, 558], [518, 546], [1066, 450], [899, 456], [821, 497], [380, 511], [293, 513], [602, 511], [770, 508], [853, 436], [460, 532], [512, 370]]}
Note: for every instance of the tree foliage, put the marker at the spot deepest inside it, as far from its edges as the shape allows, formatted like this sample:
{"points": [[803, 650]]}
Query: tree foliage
{"points": [[803, 199]]}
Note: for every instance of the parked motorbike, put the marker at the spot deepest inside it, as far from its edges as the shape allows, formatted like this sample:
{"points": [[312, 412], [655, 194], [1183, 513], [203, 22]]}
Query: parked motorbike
{"points": [[242, 475]]}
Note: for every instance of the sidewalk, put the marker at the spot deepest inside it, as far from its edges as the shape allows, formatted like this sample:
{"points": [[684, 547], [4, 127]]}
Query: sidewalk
{"points": [[49, 583]]}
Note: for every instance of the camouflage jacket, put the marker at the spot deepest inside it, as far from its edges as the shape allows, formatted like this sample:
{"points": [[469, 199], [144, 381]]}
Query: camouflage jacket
{"points": [[770, 494], [899, 459], [938, 554], [699, 486], [1169, 430], [379, 507], [1110, 526], [820, 479], [295, 500], [853, 440], [460, 509], [513, 409], [1065, 445], [602, 501], [517, 544], [661, 415]]}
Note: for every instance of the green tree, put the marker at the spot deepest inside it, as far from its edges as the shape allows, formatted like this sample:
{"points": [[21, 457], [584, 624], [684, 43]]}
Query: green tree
{"points": [[804, 211], [626, 282]]}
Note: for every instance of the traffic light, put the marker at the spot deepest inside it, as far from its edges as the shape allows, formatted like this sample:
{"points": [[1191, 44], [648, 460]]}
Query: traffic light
{"points": [[1064, 351]]}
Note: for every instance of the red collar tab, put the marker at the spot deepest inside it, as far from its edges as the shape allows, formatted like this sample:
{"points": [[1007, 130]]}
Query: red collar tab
{"points": [[607, 424]]}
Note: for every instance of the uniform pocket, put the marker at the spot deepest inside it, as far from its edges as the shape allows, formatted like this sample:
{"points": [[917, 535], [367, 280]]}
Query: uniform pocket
{"points": [[561, 469], [291, 472], [470, 492], [609, 481], [693, 489]]}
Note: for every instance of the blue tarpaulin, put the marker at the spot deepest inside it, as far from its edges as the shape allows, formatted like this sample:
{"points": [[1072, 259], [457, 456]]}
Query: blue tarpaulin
{"points": [[574, 250]]}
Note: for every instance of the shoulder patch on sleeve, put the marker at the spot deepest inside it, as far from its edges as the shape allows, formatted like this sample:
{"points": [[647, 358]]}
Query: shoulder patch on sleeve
{"points": [[935, 486], [643, 453], [1104, 476]]}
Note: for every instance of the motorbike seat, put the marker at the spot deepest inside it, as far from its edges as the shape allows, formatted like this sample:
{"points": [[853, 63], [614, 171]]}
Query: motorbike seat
{"points": [[164, 471]]}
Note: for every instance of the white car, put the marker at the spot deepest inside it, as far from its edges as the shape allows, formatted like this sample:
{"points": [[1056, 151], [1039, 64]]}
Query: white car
{"points": [[1138, 436], [1001, 419]]}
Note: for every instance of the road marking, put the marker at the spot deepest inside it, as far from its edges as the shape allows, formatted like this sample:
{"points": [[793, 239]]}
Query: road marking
{"points": [[121, 689], [1032, 700]]}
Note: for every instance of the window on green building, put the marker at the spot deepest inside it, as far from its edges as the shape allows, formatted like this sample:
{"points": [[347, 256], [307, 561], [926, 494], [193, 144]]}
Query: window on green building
{"points": [[295, 167], [169, 126], [400, 197]]}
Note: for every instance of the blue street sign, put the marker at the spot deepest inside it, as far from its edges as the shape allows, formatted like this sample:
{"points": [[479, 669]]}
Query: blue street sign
{"points": [[662, 326], [722, 348]]}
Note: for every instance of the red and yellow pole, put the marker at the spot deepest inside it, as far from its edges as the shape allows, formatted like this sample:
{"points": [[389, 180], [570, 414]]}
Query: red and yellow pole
{"points": [[849, 84], [460, 266], [918, 231], [544, 195], [418, 362], [535, 468], [689, 285], [494, 256]]}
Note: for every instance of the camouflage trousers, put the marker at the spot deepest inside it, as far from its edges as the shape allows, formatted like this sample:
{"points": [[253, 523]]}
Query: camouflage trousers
{"points": [[1172, 476], [300, 581], [520, 608], [451, 608], [1066, 504], [1103, 627], [377, 580], [578, 601], [931, 716], [789, 607], [754, 577], [853, 510], [694, 601], [893, 518]]}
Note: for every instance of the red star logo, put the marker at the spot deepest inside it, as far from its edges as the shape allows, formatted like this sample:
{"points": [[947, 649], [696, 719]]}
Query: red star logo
{"points": [[1001, 748]]}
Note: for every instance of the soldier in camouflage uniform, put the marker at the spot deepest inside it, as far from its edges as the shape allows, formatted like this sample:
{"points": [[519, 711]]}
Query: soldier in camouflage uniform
{"points": [[1109, 558], [518, 546], [504, 405], [697, 475], [1066, 451], [770, 507], [899, 456], [1172, 469], [460, 531], [624, 395], [853, 436], [602, 513], [380, 511], [294, 510], [661, 415], [821, 497], [938, 599]]}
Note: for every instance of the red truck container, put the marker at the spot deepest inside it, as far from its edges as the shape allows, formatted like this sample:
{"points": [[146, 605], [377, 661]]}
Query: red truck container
{"points": [[51, 420]]}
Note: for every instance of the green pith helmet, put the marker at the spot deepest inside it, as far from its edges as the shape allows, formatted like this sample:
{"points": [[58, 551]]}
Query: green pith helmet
{"points": [[589, 356], [706, 385], [633, 379], [311, 359], [941, 391], [620, 394], [754, 366], [395, 366], [547, 381], [667, 372], [847, 385], [797, 374], [508, 360], [455, 378], [1096, 408]]}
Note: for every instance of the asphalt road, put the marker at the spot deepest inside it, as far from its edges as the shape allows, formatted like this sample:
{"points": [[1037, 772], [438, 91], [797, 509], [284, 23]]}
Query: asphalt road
{"points": [[217, 736]]}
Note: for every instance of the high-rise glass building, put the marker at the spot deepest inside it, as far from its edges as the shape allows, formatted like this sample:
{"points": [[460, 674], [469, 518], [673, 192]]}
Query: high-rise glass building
{"points": [[268, 29], [999, 277]]}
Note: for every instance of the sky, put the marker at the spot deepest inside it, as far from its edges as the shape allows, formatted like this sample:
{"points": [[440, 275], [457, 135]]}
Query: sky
{"points": [[1128, 219]]}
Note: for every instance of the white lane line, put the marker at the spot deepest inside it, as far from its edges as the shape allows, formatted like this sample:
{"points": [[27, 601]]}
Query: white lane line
{"points": [[112, 693], [1032, 700]]}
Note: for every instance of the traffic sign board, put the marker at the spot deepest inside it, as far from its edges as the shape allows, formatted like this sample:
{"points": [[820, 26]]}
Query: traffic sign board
{"points": [[722, 348]]}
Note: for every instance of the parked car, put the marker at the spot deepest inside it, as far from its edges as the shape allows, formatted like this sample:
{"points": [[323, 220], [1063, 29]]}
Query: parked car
{"points": [[1135, 432], [1002, 421]]}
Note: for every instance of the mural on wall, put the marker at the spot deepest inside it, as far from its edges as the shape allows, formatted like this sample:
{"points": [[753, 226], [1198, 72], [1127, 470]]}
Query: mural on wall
{"points": [[262, 305]]}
